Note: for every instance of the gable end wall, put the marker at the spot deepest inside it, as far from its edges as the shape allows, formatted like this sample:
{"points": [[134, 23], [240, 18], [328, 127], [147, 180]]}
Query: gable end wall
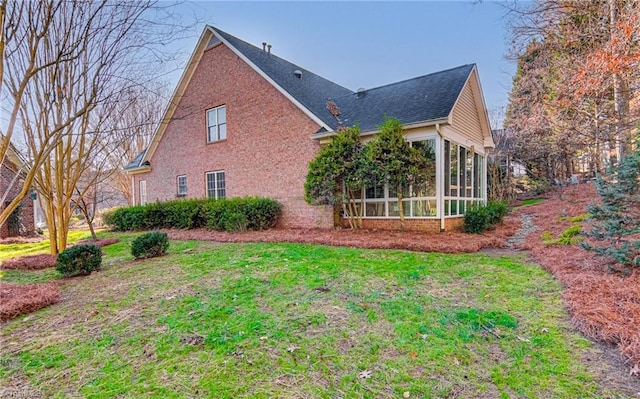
{"points": [[465, 116], [267, 150]]}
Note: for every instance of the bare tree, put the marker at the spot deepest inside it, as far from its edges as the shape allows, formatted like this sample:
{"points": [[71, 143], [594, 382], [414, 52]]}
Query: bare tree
{"points": [[138, 117], [68, 72]]}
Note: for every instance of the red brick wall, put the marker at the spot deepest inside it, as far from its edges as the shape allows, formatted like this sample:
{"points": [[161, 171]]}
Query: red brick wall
{"points": [[268, 145], [6, 177], [426, 225]]}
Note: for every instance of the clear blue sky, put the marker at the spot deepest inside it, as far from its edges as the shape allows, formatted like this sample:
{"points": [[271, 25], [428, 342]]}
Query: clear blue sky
{"points": [[369, 44]]}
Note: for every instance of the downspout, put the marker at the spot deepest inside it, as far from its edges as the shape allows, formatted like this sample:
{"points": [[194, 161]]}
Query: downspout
{"points": [[440, 177]]}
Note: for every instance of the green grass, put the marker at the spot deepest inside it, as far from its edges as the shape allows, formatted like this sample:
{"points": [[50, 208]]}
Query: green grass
{"points": [[531, 201], [288, 320], [8, 251]]}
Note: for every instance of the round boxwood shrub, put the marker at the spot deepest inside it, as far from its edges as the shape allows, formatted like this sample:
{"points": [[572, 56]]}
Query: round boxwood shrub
{"points": [[150, 245], [79, 260]]}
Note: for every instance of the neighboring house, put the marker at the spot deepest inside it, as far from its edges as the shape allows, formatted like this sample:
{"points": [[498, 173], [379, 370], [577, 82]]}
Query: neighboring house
{"points": [[243, 121], [503, 153], [21, 222]]}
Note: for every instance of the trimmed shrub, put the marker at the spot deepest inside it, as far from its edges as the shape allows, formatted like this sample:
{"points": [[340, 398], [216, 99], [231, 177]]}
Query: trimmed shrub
{"points": [[496, 211], [261, 213], [483, 217], [185, 214], [476, 219], [150, 245], [235, 214], [79, 260]]}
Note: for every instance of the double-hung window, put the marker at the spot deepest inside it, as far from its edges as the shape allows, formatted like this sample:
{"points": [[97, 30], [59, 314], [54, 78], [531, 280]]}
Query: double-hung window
{"points": [[182, 185], [215, 185], [216, 124], [143, 192]]}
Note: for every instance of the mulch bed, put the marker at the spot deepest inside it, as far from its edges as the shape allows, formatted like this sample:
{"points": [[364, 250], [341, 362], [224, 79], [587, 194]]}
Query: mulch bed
{"points": [[448, 242], [29, 262], [17, 299], [603, 305]]}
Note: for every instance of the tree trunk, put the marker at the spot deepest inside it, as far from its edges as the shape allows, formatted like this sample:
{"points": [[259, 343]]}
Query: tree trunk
{"points": [[620, 100], [400, 206]]}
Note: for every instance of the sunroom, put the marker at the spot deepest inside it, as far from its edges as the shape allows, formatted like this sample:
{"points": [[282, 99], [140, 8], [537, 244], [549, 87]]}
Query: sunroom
{"points": [[450, 126]]}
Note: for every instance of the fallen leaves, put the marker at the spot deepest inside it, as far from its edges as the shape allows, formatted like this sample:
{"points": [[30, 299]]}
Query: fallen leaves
{"points": [[365, 374]]}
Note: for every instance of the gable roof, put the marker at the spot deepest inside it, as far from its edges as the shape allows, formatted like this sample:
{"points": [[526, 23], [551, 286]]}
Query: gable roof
{"points": [[425, 98], [428, 98], [136, 162], [310, 90]]}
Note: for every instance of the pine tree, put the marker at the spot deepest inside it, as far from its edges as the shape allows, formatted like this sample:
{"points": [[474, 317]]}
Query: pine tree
{"points": [[617, 221]]}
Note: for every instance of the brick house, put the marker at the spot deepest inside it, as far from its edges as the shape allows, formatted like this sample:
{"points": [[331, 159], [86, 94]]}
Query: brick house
{"points": [[243, 121], [22, 222]]}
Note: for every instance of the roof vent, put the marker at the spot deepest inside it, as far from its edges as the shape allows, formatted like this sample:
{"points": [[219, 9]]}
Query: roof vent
{"points": [[268, 49], [264, 46], [298, 73], [361, 92]]}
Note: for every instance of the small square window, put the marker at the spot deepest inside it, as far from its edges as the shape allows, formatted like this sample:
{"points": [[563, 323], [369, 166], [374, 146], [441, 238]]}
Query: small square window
{"points": [[182, 185], [216, 124]]}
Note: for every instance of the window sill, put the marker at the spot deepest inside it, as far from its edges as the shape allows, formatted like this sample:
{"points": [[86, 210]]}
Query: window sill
{"points": [[181, 195], [216, 142]]}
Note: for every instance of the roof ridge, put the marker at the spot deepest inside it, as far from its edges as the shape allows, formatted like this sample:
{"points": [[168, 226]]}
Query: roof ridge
{"points": [[421, 77], [278, 57]]}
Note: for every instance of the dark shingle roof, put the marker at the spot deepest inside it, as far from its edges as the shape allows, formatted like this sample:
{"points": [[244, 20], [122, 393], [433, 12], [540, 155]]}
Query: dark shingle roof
{"points": [[415, 100], [311, 90], [135, 163], [425, 98]]}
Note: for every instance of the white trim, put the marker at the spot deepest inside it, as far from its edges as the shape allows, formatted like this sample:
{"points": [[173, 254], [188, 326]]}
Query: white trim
{"points": [[133, 190], [186, 189], [268, 79], [143, 183], [217, 187], [416, 125]]}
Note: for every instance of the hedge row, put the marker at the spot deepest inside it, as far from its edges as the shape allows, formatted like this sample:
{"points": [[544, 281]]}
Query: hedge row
{"points": [[235, 214]]}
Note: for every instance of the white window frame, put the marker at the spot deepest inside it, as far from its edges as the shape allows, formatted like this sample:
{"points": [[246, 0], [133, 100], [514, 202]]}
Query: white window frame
{"points": [[408, 201], [142, 185], [456, 205], [219, 189], [216, 128], [181, 188]]}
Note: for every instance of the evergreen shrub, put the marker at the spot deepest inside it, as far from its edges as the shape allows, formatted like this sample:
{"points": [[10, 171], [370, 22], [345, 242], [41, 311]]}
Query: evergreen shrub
{"points": [[235, 214], [79, 260], [150, 245], [480, 218]]}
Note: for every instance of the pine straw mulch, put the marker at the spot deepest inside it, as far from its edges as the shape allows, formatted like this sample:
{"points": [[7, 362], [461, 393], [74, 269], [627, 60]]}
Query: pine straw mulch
{"points": [[603, 305], [17, 299], [29, 262], [449, 242]]}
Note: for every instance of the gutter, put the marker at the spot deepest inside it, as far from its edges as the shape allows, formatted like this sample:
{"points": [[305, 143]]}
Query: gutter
{"points": [[430, 122]]}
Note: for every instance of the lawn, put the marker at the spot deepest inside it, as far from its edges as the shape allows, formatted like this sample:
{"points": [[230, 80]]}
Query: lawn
{"points": [[301, 321], [8, 251]]}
